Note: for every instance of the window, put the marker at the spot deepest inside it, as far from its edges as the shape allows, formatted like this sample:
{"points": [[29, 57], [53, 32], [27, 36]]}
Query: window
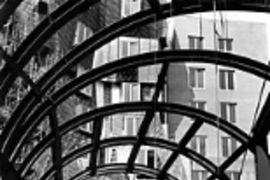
{"points": [[226, 79], [198, 175], [196, 77], [130, 92], [199, 104], [130, 7], [195, 42], [151, 158], [113, 156], [82, 33], [129, 47], [229, 145], [116, 124], [225, 44], [233, 175], [228, 111], [147, 91], [111, 93], [198, 144]]}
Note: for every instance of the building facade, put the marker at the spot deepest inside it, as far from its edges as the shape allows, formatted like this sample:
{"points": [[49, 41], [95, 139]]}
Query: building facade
{"points": [[229, 93]]}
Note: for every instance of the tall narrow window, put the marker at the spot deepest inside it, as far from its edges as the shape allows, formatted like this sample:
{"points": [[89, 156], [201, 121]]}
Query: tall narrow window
{"points": [[151, 158], [228, 111], [196, 77], [225, 44], [226, 79], [113, 156], [195, 42], [229, 145], [198, 144]]}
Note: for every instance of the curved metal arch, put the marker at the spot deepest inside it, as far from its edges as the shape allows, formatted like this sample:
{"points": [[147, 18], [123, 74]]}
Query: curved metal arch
{"points": [[186, 8], [145, 59], [155, 142], [121, 168], [96, 114], [108, 33], [115, 169], [9, 6], [41, 34]]}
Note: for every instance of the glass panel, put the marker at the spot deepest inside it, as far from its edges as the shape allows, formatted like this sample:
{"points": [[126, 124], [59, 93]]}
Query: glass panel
{"points": [[232, 113], [202, 145], [129, 123], [195, 175], [222, 79], [192, 77], [200, 42], [151, 158], [223, 111], [107, 94], [233, 144], [194, 144], [126, 91], [221, 44], [200, 78], [230, 80], [134, 48], [124, 49], [127, 7], [191, 42], [229, 44], [224, 141]]}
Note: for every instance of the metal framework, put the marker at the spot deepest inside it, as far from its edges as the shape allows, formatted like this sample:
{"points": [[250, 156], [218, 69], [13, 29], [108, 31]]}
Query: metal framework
{"points": [[25, 118]]}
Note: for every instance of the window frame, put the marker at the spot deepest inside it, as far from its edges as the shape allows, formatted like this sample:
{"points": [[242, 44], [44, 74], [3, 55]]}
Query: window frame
{"points": [[228, 146], [226, 111], [129, 42], [227, 79], [197, 144], [198, 82], [195, 42], [225, 44], [133, 90]]}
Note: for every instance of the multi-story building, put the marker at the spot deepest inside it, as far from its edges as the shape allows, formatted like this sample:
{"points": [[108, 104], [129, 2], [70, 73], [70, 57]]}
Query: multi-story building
{"points": [[137, 84], [224, 91]]}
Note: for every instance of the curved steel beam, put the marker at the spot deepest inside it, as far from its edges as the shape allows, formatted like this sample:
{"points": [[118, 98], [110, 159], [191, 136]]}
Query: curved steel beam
{"points": [[121, 168], [48, 28], [155, 142], [97, 41], [98, 113], [41, 34], [231, 60]]}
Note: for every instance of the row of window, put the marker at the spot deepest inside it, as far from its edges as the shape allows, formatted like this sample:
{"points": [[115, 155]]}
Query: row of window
{"points": [[196, 42], [228, 145], [197, 78], [227, 109], [128, 92]]}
